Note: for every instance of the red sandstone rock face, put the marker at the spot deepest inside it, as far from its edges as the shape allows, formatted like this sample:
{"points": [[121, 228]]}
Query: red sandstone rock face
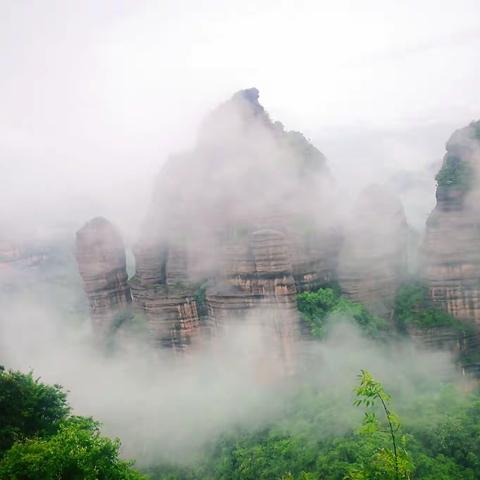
{"points": [[221, 212], [451, 248], [373, 256], [463, 345], [452, 262], [161, 293], [171, 315], [101, 261], [228, 212], [314, 258], [439, 338], [261, 291]]}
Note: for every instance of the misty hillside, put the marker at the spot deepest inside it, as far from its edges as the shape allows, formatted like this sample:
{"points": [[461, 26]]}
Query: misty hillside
{"points": [[239, 241]]}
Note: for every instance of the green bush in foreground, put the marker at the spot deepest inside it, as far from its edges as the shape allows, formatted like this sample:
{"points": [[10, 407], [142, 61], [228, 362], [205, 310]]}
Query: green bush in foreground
{"points": [[42, 441], [76, 451], [28, 408]]}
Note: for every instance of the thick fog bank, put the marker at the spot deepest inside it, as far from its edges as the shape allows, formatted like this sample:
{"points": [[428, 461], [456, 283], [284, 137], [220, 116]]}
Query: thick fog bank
{"points": [[167, 410]]}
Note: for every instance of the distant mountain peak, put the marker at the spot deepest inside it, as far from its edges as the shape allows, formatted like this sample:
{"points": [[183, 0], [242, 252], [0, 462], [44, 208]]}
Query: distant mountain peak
{"points": [[250, 96]]}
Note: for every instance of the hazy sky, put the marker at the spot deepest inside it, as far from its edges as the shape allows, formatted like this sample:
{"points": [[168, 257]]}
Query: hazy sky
{"points": [[95, 94]]}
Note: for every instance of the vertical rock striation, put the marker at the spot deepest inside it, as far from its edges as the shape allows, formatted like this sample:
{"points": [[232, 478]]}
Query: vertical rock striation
{"points": [[451, 248], [163, 295], [257, 285], [228, 212], [314, 257], [239, 213], [100, 254]]}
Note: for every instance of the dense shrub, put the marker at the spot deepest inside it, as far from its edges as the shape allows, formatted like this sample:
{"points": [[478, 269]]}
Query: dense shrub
{"points": [[76, 451], [321, 308], [40, 440], [413, 306], [28, 408]]}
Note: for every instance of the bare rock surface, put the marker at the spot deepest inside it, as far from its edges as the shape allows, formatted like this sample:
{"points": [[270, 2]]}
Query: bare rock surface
{"points": [[451, 248], [262, 291], [100, 254]]}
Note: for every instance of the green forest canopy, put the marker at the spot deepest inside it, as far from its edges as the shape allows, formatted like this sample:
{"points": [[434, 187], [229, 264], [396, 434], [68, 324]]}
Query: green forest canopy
{"points": [[318, 434]]}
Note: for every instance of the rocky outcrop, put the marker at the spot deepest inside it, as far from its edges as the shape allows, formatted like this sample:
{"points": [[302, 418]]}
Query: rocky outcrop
{"points": [[228, 212], [450, 252], [257, 274], [462, 343], [258, 286], [240, 212], [439, 338], [171, 314], [373, 255], [314, 256], [451, 248], [162, 294], [100, 254]]}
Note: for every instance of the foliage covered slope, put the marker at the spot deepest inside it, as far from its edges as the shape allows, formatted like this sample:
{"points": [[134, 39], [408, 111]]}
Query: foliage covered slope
{"points": [[322, 308], [40, 440], [318, 438]]}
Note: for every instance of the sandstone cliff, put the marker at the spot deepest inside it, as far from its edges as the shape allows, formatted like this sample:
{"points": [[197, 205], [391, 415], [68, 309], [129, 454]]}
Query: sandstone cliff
{"points": [[101, 261], [450, 252], [240, 213], [162, 294], [229, 211], [257, 285]]}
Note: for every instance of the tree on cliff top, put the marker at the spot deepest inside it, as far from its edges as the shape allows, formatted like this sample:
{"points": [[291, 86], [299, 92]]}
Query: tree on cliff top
{"points": [[457, 169]]}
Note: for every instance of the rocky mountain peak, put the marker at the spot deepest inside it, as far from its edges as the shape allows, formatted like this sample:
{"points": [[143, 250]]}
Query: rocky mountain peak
{"points": [[460, 168], [451, 259], [101, 261]]}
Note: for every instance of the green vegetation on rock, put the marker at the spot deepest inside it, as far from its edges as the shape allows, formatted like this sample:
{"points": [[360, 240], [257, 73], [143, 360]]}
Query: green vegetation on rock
{"points": [[200, 295], [323, 307], [455, 172], [413, 307]]}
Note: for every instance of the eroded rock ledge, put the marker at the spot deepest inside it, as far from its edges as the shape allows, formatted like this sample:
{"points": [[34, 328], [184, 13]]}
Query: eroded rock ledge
{"points": [[100, 254]]}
